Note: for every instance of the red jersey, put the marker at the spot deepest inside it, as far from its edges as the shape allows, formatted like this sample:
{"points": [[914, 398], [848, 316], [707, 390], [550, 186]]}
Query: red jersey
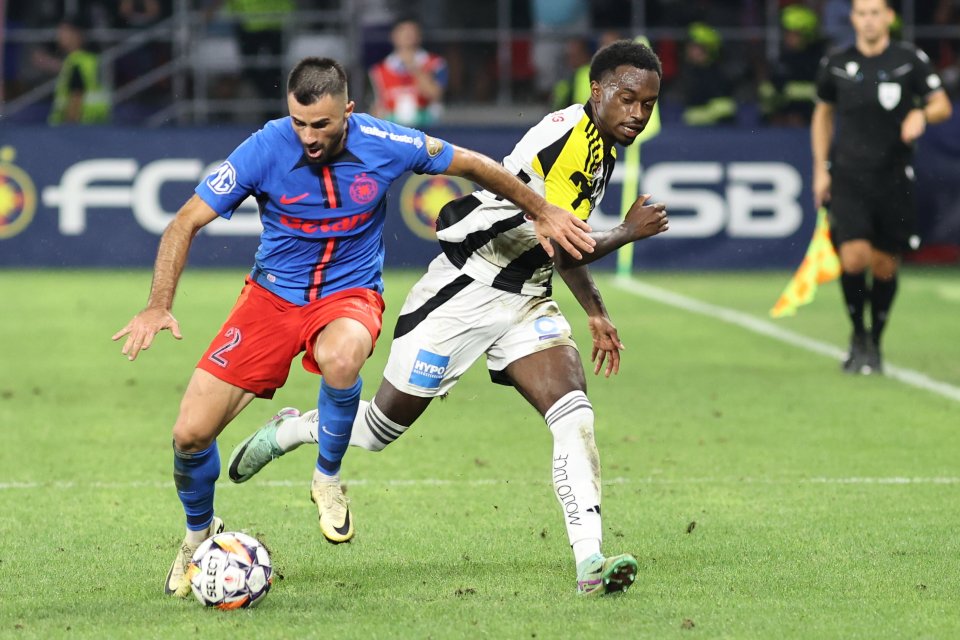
{"points": [[395, 89]]}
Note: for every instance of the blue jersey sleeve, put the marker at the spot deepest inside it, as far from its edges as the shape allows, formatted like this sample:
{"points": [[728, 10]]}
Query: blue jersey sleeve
{"points": [[433, 157], [237, 177], [412, 149]]}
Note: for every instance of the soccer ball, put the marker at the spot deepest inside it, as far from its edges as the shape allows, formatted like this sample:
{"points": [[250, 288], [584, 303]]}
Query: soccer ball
{"points": [[230, 570]]}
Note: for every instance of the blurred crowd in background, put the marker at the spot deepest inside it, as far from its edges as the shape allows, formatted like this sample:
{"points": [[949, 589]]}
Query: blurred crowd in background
{"points": [[158, 62]]}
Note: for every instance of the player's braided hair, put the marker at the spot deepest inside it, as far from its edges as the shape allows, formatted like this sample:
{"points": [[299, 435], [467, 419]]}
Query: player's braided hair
{"points": [[312, 78], [623, 52]]}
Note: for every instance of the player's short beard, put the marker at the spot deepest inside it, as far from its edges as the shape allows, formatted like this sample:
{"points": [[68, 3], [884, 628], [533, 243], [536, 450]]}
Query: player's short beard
{"points": [[329, 149]]}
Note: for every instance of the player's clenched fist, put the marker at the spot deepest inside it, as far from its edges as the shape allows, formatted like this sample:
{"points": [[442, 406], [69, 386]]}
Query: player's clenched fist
{"points": [[644, 220]]}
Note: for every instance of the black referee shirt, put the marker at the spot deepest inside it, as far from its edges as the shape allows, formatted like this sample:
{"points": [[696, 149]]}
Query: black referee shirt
{"points": [[872, 96]]}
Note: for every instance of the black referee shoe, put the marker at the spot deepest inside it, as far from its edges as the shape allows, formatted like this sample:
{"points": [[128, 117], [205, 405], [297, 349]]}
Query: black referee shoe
{"points": [[856, 360], [873, 364]]}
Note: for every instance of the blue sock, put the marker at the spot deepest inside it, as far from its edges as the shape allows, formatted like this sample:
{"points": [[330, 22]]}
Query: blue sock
{"points": [[195, 475], [337, 408]]}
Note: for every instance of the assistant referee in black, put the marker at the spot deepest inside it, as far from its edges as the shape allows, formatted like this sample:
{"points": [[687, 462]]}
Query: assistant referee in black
{"points": [[875, 98]]}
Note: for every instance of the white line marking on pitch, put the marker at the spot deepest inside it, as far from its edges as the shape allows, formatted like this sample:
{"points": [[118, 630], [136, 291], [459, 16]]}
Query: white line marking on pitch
{"points": [[483, 482], [766, 328]]}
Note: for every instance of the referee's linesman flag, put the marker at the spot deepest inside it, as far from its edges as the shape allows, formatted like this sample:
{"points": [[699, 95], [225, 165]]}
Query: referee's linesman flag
{"points": [[819, 265]]}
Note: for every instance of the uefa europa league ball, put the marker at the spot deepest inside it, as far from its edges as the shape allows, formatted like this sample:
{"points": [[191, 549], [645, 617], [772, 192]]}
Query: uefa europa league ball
{"points": [[230, 570]]}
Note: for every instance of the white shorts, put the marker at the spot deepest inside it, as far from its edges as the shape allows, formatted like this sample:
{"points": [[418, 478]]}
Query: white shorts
{"points": [[449, 320]]}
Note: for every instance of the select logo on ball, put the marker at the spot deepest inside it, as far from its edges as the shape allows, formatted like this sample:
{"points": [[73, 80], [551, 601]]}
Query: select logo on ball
{"points": [[230, 570]]}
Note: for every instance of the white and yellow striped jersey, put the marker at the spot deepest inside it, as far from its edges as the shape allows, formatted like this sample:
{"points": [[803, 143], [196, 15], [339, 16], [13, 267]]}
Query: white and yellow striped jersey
{"points": [[489, 239]]}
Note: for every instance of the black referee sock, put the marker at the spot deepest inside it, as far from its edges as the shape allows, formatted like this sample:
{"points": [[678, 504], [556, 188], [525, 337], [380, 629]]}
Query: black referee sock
{"points": [[881, 299], [855, 294]]}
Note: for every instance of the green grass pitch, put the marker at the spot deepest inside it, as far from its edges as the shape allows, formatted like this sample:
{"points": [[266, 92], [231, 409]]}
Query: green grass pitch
{"points": [[764, 494]]}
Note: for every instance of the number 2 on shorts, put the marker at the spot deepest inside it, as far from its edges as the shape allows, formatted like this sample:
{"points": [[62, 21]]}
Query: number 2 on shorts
{"points": [[233, 339]]}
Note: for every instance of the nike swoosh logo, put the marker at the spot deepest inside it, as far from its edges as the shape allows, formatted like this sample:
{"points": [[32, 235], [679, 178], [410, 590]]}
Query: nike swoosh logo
{"points": [[330, 433], [284, 199], [346, 526], [234, 470]]}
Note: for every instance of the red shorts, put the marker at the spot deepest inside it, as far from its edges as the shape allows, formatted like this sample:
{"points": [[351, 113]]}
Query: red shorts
{"points": [[264, 333]]}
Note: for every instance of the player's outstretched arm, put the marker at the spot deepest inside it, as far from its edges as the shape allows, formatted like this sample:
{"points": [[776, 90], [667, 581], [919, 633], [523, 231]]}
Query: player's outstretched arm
{"points": [[642, 221], [171, 259], [606, 341], [550, 221]]}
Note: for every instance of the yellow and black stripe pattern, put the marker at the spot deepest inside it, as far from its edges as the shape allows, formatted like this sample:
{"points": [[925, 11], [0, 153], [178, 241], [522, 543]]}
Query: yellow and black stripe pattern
{"points": [[564, 159]]}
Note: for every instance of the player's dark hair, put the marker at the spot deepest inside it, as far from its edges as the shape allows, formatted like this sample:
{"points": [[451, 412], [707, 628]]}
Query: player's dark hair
{"points": [[402, 18], [312, 78], [623, 52], [76, 20]]}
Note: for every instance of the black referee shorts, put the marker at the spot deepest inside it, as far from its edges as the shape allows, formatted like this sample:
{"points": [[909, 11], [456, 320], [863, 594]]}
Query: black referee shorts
{"points": [[874, 205]]}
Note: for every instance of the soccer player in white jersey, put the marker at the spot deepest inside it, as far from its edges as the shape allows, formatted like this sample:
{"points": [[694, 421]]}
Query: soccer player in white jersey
{"points": [[488, 293]]}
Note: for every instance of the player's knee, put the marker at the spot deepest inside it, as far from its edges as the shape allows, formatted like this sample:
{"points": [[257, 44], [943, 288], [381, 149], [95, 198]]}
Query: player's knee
{"points": [[191, 435], [340, 367], [884, 266], [855, 256], [854, 266]]}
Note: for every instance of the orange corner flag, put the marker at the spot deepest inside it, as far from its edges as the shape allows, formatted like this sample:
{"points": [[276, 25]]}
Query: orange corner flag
{"points": [[820, 265]]}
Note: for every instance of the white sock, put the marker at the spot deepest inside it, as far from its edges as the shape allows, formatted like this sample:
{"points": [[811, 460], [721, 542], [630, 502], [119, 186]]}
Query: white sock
{"points": [[303, 430], [576, 472], [583, 549], [373, 430]]}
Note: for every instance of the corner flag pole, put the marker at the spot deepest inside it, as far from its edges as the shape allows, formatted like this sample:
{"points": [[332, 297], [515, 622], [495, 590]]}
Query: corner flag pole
{"points": [[631, 179]]}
